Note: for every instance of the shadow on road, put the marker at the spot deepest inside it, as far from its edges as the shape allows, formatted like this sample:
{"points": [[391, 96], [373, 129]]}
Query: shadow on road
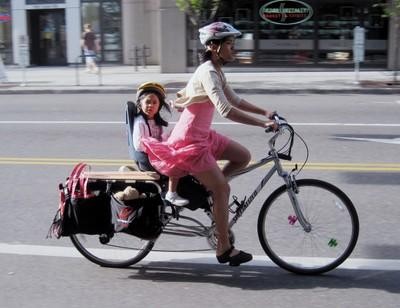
{"points": [[265, 278]]}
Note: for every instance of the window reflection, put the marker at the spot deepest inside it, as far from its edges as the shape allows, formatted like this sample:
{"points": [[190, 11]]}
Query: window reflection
{"points": [[325, 38], [105, 17]]}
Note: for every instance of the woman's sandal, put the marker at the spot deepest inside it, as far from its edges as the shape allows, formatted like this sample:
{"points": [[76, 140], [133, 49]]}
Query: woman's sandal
{"points": [[235, 260]]}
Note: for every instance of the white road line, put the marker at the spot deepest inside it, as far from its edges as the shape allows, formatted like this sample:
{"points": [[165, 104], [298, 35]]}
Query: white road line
{"points": [[214, 123], [184, 257], [62, 122]]}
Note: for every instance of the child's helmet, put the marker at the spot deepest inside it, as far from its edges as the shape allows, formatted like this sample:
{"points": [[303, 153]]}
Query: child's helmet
{"points": [[151, 87], [217, 31]]}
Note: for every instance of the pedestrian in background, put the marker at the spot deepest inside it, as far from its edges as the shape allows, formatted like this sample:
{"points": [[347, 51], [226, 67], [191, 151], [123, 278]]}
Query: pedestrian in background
{"points": [[90, 46]]}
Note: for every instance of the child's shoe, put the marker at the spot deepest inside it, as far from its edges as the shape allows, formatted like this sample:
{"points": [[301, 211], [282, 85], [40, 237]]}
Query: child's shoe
{"points": [[175, 199]]}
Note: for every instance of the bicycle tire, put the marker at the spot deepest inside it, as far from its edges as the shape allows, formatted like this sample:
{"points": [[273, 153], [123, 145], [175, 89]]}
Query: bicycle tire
{"points": [[334, 234], [122, 250]]}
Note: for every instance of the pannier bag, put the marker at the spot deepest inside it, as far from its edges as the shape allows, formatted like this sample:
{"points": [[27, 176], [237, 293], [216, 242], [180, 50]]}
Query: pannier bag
{"points": [[94, 210], [81, 210], [139, 217]]}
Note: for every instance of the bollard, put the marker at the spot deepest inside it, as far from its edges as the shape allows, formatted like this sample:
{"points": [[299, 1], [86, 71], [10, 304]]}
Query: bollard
{"points": [[145, 54], [137, 55], [77, 71]]}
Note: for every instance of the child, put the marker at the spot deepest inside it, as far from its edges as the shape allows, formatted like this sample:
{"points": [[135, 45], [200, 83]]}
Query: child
{"points": [[148, 123]]}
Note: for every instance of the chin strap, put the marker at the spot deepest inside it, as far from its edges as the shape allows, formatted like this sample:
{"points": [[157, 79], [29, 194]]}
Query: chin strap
{"points": [[220, 59]]}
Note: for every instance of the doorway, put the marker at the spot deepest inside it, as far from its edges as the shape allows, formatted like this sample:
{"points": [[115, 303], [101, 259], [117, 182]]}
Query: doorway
{"points": [[47, 37]]}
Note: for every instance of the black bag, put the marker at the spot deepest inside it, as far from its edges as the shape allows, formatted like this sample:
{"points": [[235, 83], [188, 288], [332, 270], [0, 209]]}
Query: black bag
{"points": [[88, 216], [191, 189], [91, 209], [140, 217], [91, 216], [80, 209]]}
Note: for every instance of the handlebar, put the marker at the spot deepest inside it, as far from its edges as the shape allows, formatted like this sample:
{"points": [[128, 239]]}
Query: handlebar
{"points": [[281, 125], [284, 151], [279, 121]]}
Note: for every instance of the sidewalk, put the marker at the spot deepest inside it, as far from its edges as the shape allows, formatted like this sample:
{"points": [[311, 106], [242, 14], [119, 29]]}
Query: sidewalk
{"points": [[124, 79]]}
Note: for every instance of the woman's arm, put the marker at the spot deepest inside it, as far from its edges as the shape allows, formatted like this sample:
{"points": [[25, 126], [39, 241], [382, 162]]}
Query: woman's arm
{"points": [[229, 104], [249, 107], [244, 105], [239, 116]]}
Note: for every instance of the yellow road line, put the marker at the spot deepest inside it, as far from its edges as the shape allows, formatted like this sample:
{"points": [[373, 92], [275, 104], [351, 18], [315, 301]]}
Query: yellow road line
{"points": [[376, 167]]}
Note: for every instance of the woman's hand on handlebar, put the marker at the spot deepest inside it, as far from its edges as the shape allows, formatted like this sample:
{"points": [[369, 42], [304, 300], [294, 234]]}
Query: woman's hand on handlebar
{"points": [[271, 126], [270, 114]]}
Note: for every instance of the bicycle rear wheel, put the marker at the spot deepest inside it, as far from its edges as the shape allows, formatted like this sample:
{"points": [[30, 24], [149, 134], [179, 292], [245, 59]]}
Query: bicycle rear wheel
{"points": [[121, 250], [334, 228]]}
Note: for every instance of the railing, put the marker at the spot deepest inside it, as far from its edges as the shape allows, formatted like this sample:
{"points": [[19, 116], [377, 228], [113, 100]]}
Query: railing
{"points": [[139, 55]]}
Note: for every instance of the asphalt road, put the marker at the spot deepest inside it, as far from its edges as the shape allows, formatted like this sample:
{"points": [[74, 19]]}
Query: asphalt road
{"points": [[354, 143]]}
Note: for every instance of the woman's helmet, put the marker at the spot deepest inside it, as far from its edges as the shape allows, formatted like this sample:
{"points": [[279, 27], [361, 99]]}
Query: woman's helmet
{"points": [[217, 31], [154, 87]]}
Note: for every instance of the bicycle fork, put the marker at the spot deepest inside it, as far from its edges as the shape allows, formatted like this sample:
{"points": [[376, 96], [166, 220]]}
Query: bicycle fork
{"points": [[292, 191]]}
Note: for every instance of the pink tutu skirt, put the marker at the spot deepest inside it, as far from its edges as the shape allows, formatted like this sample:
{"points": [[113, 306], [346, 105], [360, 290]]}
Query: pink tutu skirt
{"points": [[192, 146]]}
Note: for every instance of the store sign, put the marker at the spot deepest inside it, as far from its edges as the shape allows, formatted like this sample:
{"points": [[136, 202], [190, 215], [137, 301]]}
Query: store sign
{"points": [[286, 12]]}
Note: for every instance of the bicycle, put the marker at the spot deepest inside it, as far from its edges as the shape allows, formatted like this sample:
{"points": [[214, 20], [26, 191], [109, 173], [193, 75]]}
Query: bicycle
{"points": [[305, 226]]}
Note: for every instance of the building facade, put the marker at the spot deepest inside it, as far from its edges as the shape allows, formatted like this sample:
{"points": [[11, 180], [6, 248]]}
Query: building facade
{"points": [[308, 33]]}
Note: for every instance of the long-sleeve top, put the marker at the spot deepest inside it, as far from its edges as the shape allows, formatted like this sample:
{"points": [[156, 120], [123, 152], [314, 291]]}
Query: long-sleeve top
{"points": [[142, 130], [208, 83]]}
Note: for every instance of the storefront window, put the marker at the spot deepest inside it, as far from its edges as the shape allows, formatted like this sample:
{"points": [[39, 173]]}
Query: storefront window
{"points": [[337, 20], [112, 49], [286, 32], [5, 32], [305, 32], [105, 18]]}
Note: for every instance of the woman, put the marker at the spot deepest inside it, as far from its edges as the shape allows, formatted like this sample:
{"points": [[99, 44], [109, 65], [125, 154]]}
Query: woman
{"points": [[194, 148]]}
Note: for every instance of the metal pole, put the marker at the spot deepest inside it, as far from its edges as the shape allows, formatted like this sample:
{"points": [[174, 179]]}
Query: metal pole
{"points": [[99, 73], [23, 84], [357, 70], [144, 55], [136, 58], [77, 70]]}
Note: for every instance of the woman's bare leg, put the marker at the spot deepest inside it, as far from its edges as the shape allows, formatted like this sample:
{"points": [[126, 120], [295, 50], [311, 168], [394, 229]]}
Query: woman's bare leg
{"points": [[216, 182], [237, 156]]}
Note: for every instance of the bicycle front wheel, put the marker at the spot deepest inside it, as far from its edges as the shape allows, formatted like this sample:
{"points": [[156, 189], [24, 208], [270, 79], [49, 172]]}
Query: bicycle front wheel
{"points": [[334, 228], [120, 250]]}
